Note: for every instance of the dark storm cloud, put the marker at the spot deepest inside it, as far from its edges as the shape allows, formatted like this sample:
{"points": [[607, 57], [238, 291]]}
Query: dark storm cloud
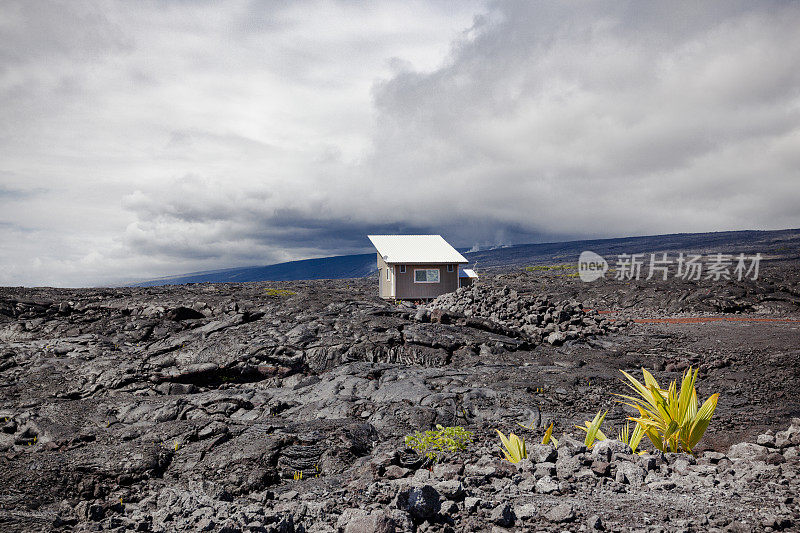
{"points": [[207, 223], [560, 118], [547, 122]]}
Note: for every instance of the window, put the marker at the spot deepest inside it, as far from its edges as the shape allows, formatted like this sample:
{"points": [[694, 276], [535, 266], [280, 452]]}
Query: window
{"points": [[388, 271], [449, 268], [402, 269], [426, 275]]}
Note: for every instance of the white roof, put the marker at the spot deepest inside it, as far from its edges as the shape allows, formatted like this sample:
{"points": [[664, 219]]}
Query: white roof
{"points": [[468, 273], [415, 249]]}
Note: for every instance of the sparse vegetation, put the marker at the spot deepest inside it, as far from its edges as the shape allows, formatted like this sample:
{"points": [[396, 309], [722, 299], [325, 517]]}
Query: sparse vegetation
{"points": [[279, 292], [548, 434], [437, 444], [513, 447], [631, 439], [672, 419], [592, 429], [564, 266]]}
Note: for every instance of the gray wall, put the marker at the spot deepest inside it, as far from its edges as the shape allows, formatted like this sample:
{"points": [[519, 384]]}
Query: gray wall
{"points": [[406, 289]]}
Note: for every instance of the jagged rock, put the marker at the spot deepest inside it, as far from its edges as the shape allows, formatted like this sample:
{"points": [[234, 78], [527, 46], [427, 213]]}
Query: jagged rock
{"points": [[746, 450], [629, 473], [767, 441], [451, 489], [605, 449], [446, 471], [546, 485], [567, 466], [594, 523], [542, 453], [422, 503], [601, 468], [502, 515], [526, 511], [560, 513], [713, 457], [545, 470], [471, 504], [449, 507], [396, 472], [360, 521]]}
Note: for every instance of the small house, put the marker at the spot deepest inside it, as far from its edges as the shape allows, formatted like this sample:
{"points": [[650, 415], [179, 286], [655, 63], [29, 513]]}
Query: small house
{"points": [[417, 267]]}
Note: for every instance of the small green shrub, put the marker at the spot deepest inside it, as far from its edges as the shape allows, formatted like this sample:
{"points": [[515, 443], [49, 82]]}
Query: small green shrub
{"points": [[564, 266], [438, 443], [279, 292]]}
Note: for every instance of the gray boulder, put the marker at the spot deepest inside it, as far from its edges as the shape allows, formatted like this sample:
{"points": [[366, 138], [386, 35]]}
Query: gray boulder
{"points": [[360, 521], [746, 450], [526, 511], [422, 503], [630, 473], [560, 513], [542, 453], [502, 515], [606, 449]]}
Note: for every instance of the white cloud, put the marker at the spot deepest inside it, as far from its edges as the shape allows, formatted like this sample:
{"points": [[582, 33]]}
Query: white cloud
{"points": [[144, 139]]}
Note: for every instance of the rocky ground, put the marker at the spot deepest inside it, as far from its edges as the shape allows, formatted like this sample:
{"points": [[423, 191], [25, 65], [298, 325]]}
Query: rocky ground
{"points": [[283, 407]]}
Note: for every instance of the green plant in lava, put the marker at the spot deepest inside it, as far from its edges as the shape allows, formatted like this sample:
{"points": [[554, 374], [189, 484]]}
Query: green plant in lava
{"points": [[631, 439], [592, 429], [436, 444], [513, 447], [548, 433], [279, 292], [672, 419], [548, 436]]}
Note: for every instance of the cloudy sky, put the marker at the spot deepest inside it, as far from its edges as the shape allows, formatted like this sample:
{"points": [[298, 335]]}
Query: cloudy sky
{"points": [[140, 139]]}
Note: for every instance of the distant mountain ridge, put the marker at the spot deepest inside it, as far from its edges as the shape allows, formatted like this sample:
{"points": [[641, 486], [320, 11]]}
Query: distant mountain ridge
{"points": [[784, 242], [336, 267]]}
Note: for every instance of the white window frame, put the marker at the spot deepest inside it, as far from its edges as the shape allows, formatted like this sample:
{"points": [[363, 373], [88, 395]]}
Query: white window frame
{"points": [[426, 270], [402, 269], [449, 268], [388, 274]]}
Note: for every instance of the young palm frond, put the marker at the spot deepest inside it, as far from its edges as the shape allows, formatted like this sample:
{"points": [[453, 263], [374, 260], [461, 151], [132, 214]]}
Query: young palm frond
{"points": [[631, 439], [670, 417], [592, 429], [513, 447], [548, 436]]}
